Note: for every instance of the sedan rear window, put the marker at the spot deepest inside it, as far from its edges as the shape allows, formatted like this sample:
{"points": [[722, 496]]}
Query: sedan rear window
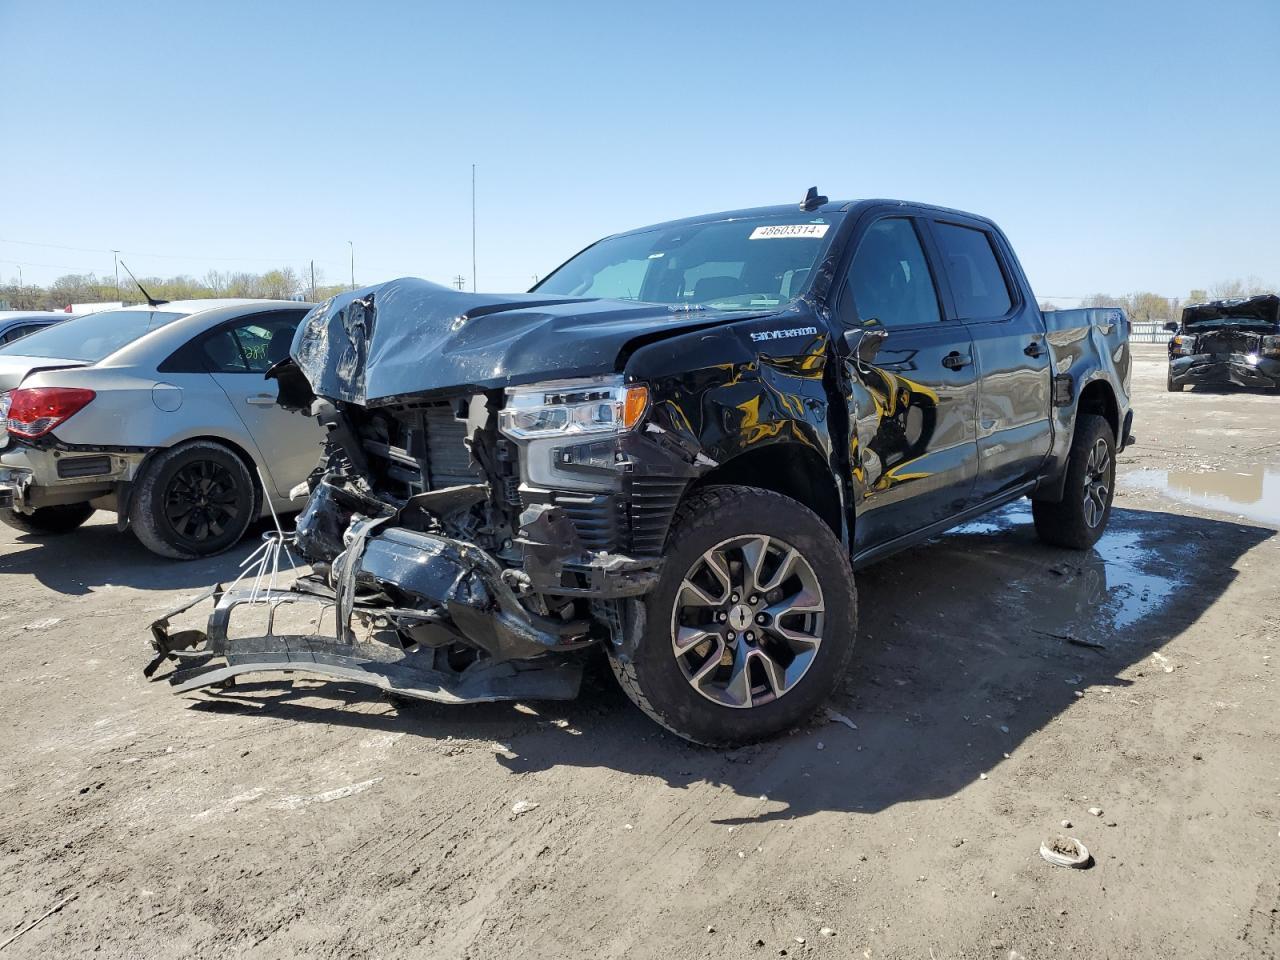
{"points": [[90, 338]]}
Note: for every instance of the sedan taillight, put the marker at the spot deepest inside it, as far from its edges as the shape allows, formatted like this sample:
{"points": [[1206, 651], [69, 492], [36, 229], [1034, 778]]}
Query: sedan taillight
{"points": [[34, 411]]}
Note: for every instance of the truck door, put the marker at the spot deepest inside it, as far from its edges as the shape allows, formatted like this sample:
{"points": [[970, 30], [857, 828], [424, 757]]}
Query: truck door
{"points": [[910, 387], [1014, 379]]}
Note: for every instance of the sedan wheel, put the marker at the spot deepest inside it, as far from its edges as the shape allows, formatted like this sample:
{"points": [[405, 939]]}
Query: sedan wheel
{"points": [[194, 500]]}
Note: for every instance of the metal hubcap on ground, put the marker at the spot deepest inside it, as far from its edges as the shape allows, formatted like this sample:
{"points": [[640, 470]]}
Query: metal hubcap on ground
{"points": [[747, 621], [1097, 483], [200, 501]]}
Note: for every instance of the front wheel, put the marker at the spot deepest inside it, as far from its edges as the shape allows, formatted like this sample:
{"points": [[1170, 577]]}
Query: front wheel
{"points": [[62, 518], [1079, 519], [1170, 385], [751, 624]]}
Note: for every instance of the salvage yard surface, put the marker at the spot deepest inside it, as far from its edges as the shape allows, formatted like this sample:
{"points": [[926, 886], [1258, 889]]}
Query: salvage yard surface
{"points": [[999, 687]]}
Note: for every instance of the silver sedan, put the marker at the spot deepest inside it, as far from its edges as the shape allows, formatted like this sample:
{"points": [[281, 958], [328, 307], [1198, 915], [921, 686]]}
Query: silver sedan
{"points": [[161, 414]]}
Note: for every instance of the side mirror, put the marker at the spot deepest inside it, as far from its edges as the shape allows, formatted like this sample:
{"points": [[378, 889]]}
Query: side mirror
{"points": [[1171, 326], [865, 342]]}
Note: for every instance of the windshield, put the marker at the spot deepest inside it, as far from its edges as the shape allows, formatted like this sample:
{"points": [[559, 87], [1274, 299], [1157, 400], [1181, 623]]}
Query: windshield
{"points": [[726, 265], [90, 338]]}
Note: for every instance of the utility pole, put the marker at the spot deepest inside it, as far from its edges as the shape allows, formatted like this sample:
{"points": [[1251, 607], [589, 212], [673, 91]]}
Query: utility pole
{"points": [[115, 258], [313, 279], [459, 281], [473, 228], [353, 263]]}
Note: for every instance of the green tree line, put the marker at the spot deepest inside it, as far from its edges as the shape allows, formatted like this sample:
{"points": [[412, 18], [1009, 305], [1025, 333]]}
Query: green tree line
{"points": [[281, 284]]}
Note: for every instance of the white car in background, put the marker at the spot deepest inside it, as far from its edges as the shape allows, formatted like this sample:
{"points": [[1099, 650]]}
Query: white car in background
{"points": [[15, 324], [160, 413]]}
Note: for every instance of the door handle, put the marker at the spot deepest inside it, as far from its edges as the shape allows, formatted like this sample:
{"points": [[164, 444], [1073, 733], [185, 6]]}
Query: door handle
{"points": [[1034, 349], [261, 400], [955, 360]]}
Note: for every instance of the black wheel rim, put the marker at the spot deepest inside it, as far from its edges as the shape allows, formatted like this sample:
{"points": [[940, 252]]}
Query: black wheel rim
{"points": [[201, 502]]}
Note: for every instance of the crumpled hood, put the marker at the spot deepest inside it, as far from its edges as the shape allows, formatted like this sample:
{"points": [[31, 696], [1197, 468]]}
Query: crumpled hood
{"points": [[411, 336], [1249, 310]]}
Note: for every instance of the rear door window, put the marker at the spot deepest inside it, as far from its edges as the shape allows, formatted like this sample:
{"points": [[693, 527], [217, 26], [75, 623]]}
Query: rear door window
{"points": [[978, 285]]}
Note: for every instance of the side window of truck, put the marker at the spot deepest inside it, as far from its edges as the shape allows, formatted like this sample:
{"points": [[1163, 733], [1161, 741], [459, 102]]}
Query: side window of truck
{"points": [[889, 279], [977, 282]]}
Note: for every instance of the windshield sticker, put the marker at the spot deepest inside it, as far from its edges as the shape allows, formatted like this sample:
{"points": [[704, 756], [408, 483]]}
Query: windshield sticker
{"points": [[781, 230], [784, 334]]}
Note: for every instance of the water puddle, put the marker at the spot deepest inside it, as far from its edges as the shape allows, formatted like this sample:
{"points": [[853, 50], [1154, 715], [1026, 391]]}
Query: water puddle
{"points": [[1252, 493], [1090, 596]]}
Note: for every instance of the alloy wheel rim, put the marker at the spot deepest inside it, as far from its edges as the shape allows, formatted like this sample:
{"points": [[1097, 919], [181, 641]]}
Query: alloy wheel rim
{"points": [[1097, 483], [200, 502], [747, 621]]}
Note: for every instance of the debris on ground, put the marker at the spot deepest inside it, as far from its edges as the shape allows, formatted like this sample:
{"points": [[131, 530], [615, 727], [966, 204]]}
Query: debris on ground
{"points": [[836, 717], [522, 807], [1095, 811], [1065, 852]]}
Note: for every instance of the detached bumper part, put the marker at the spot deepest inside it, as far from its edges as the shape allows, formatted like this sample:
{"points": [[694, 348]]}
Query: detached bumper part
{"points": [[205, 658], [425, 595]]}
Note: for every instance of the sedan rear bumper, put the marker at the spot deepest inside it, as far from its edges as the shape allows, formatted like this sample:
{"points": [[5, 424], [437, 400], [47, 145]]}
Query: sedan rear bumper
{"points": [[31, 477]]}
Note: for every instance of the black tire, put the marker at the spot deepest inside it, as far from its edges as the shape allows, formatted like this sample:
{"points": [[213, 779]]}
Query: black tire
{"points": [[658, 681], [194, 500], [62, 518], [1171, 386], [1073, 522]]}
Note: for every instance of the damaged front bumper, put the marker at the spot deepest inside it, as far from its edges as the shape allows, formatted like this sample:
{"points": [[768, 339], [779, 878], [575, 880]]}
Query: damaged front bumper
{"points": [[1239, 369], [419, 598]]}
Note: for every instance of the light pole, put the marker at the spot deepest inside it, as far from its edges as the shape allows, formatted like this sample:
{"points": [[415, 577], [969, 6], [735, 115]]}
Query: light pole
{"points": [[115, 259], [473, 228], [353, 263]]}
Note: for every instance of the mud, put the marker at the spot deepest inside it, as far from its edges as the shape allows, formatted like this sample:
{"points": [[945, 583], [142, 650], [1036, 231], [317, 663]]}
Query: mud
{"points": [[999, 687]]}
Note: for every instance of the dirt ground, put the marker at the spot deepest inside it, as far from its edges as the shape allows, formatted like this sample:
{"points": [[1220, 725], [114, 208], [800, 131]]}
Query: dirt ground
{"points": [[999, 687]]}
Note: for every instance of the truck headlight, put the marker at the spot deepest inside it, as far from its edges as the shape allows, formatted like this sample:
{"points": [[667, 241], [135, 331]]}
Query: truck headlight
{"points": [[1183, 346], [567, 408]]}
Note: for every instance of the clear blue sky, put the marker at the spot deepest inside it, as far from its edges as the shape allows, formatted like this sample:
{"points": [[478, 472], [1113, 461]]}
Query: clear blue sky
{"points": [[1122, 145]]}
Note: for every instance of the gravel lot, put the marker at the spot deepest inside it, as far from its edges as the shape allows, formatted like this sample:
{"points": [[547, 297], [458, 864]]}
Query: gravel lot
{"points": [[316, 819]]}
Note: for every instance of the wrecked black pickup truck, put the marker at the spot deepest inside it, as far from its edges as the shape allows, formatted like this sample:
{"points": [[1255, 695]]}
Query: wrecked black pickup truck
{"points": [[1226, 342], [678, 447]]}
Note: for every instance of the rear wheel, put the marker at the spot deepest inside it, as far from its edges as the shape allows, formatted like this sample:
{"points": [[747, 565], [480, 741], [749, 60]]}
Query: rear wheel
{"points": [[62, 518], [1079, 519], [194, 500], [752, 622]]}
